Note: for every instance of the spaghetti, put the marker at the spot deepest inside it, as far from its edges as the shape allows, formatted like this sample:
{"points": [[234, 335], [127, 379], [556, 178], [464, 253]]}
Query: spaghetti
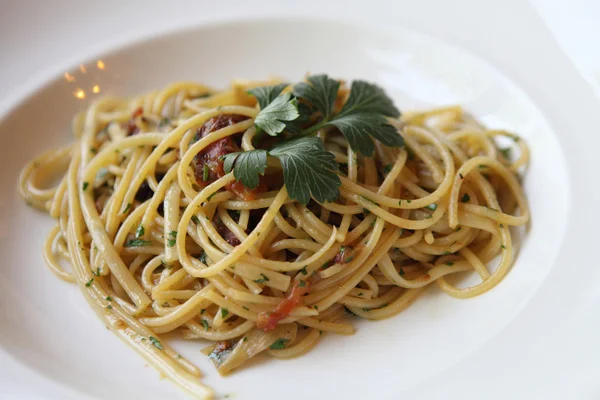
{"points": [[163, 236]]}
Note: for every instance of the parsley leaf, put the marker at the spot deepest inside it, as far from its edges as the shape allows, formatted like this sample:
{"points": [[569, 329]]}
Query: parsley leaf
{"points": [[308, 169], [263, 279], [266, 94], [155, 342], [138, 243], [279, 344], [248, 165], [357, 128], [369, 98], [321, 91], [139, 232], [224, 313], [283, 108]]}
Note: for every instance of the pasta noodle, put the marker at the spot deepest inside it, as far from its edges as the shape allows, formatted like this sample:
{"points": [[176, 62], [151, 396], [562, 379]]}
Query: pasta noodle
{"points": [[155, 249]]}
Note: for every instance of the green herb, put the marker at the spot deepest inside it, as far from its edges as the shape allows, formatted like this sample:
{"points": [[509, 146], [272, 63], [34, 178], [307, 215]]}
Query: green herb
{"points": [[163, 122], [93, 150], [401, 271], [308, 169], [173, 234], [363, 116], [139, 232], [506, 152], [316, 307], [205, 172], [224, 312], [109, 307], [127, 207], [503, 247], [303, 271], [96, 272], [279, 344], [360, 294], [155, 342], [195, 219], [171, 242], [263, 279], [409, 201], [211, 196], [202, 311], [447, 253], [461, 176], [366, 309], [400, 202], [449, 263], [320, 332], [301, 283], [89, 283], [347, 260], [271, 119], [349, 311], [388, 168], [205, 324], [202, 257], [248, 165], [108, 298], [85, 185], [366, 211], [465, 198], [245, 308], [178, 356], [138, 243], [432, 207]]}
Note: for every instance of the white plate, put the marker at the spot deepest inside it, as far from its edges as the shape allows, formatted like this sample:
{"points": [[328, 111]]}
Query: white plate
{"points": [[50, 337]]}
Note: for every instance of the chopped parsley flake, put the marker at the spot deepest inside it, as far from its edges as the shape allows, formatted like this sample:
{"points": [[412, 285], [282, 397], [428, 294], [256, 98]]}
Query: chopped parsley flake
{"points": [[263, 279], [89, 283], [85, 185], [465, 198], [279, 344], [224, 312], [155, 342]]}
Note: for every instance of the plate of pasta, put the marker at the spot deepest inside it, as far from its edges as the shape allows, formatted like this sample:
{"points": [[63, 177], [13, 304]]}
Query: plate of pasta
{"points": [[251, 225]]}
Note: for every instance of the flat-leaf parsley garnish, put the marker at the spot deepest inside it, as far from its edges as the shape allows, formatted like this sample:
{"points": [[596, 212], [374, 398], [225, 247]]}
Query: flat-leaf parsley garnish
{"points": [[309, 170]]}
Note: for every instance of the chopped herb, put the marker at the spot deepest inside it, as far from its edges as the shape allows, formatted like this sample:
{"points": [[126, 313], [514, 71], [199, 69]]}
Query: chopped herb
{"points": [[202, 257], [320, 332], [109, 307], [482, 166], [138, 243], [388, 168], [127, 207], [347, 260], [211, 196], [224, 312], [139, 232], [245, 308], [465, 198], [432, 207], [85, 185], [263, 279], [89, 283], [301, 283], [155, 342], [173, 233], [366, 309], [205, 172], [93, 150], [108, 298], [401, 271], [349, 311], [279, 344], [245, 339], [316, 307], [366, 212], [446, 253], [506, 152], [195, 219], [399, 202], [503, 247], [449, 263], [205, 324], [303, 270], [97, 272], [171, 242], [178, 356], [409, 201], [360, 294], [202, 311], [163, 122]]}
